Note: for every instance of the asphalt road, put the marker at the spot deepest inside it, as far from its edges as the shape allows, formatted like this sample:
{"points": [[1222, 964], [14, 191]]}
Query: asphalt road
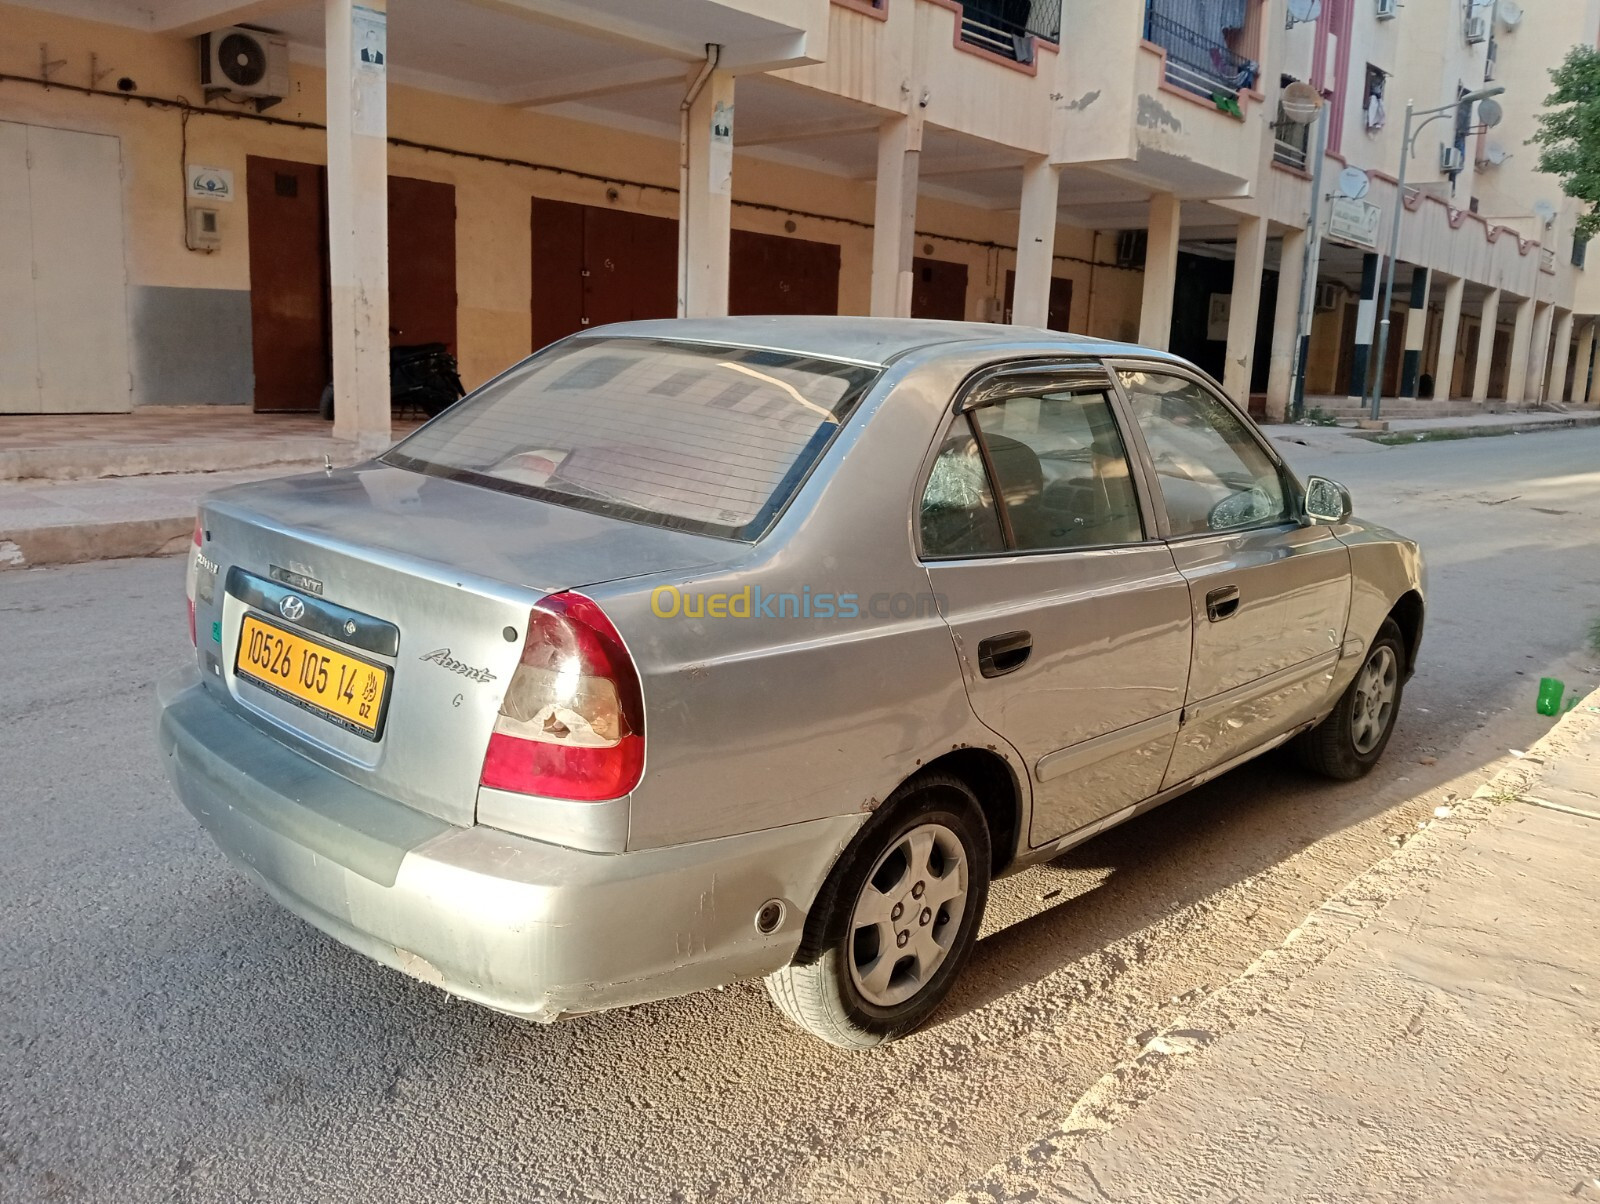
{"points": [[167, 1033]]}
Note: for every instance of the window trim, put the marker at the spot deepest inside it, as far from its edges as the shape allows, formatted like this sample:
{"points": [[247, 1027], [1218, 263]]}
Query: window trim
{"points": [[1293, 493], [1094, 373]]}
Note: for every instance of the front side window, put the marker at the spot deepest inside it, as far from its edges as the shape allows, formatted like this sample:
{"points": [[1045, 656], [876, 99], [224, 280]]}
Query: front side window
{"points": [[708, 439], [1214, 475]]}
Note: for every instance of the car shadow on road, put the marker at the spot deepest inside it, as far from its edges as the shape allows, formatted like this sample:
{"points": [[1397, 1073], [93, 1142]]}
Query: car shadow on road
{"points": [[1188, 853]]}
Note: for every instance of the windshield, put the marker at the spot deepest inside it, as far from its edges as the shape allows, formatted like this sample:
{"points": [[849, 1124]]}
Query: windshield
{"points": [[701, 438]]}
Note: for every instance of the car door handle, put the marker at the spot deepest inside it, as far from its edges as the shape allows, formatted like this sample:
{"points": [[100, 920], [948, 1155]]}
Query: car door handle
{"points": [[1222, 603], [1002, 654]]}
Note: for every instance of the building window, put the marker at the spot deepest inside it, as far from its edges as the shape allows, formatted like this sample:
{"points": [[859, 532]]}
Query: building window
{"points": [[1009, 27], [1291, 141], [1580, 251], [1373, 107], [1211, 45]]}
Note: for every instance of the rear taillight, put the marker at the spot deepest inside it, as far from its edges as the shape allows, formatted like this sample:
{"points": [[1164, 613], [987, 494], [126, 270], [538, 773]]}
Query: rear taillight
{"points": [[191, 579], [572, 723]]}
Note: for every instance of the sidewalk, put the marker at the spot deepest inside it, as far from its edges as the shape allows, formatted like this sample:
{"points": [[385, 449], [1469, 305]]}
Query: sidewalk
{"points": [[1430, 1034], [1353, 439]]}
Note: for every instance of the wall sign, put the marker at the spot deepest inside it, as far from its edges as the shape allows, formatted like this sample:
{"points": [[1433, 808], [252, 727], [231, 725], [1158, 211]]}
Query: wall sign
{"points": [[369, 45], [721, 165], [209, 183], [1354, 221]]}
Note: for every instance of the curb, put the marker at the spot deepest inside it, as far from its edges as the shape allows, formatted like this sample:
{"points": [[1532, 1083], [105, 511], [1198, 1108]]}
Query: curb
{"points": [[85, 463], [77, 543], [1164, 1054], [1477, 432]]}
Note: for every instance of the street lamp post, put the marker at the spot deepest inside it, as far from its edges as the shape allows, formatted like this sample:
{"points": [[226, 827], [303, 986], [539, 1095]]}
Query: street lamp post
{"points": [[1302, 104], [1407, 146]]}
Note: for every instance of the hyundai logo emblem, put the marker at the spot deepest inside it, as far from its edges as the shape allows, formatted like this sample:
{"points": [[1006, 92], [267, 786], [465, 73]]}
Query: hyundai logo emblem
{"points": [[292, 608]]}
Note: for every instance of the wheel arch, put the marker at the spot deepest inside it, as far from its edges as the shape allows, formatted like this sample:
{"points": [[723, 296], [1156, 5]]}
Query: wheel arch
{"points": [[994, 780], [1407, 614]]}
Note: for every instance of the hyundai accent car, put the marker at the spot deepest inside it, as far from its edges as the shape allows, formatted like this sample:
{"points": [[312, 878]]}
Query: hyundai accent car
{"points": [[686, 652]]}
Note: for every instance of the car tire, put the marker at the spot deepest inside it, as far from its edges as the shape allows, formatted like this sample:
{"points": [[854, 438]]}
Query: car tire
{"points": [[325, 406], [1347, 744], [921, 855]]}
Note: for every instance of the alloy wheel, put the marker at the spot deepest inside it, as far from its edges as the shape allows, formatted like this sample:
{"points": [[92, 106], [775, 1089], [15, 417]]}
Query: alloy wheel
{"points": [[1376, 689]]}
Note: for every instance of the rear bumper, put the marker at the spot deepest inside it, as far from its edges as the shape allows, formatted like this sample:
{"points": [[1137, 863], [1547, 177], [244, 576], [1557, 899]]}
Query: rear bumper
{"points": [[524, 927]]}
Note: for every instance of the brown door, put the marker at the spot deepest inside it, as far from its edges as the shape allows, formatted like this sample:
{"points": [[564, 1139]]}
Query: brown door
{"points": [[1347, 354], [771, 274], [289, 325], [1060, 317], [938, 289], [630, 266], [1462, 385], [593, 265], [1500, 364], [422, 262]]}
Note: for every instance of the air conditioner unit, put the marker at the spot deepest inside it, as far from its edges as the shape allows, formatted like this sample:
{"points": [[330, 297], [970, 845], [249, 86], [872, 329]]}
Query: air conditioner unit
{"points": [[244, 64], [1451, 159], [1477, 29], [1489, 71], [1132, 246], [1387, 9], [1326, 299]]}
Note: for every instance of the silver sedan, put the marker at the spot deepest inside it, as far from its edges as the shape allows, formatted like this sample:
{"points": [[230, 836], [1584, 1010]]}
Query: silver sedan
{"points": [[688, 652]]}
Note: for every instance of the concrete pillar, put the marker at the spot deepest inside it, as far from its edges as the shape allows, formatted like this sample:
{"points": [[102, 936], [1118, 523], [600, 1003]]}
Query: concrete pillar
{"points": [[1160, 271], [894, 219], [1580, 373], [1486, 329], [705, 201], [1416, 333], [1538, 353], [358, 218], [1521, 342], [1444, 370], [1558, 361], [1036, 243], [1249, 261], [1291, 268], [1366, 323]]}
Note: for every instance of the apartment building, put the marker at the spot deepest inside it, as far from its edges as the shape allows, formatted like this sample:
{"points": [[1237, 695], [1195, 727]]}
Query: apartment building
{"points": [[234, 202]]}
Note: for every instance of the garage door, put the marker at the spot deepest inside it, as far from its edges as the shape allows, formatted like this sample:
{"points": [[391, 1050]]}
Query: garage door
{"points": [[938, 289], [593, 265], [290, 309], [63, 281], [771, 274]]}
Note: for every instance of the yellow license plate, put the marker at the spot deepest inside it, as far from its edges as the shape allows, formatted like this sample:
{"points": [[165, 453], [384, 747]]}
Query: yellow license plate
{"points": [[341, 688]]}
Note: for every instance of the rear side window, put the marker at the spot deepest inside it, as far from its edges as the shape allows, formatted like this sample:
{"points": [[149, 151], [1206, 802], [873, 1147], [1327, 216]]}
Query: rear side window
{"points": [[708, 439]]}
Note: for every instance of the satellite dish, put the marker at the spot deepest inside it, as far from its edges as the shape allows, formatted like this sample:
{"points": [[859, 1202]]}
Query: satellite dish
{"points": [[1510, 14], [1495, 153], [1301, 11], [1489, 112], [1301, 103], [1353, 183], [1545, 210]]}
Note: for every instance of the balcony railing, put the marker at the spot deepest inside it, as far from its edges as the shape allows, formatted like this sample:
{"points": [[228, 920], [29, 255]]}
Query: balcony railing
{"points": [[1008, 27], [1210, 44]]}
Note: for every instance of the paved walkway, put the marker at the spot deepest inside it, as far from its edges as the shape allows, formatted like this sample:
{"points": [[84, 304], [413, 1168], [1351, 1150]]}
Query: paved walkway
{"points": [[1430, 1034]]}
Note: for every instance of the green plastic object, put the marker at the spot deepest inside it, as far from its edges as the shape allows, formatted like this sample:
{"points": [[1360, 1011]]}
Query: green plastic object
{"points": [[1551, 690]]}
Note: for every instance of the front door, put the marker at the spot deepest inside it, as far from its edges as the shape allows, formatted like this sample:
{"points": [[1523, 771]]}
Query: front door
{"points": [[289, 298], [1070, 619], [1269, 596]]}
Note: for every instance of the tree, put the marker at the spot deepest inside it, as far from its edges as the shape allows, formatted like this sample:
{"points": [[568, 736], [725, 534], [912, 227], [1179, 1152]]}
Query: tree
{"points": [[1569, 132]]}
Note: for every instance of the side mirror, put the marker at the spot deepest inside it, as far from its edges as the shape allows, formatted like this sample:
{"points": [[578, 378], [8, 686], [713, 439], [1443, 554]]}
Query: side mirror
{"points": [[1327, 501]]}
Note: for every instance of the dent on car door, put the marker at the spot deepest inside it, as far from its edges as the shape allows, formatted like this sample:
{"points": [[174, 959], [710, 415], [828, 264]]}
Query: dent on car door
{"points": [[1069, 617], [1270, 596]]}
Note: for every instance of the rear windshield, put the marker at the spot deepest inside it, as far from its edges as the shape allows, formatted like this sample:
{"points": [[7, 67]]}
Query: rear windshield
{"points": [[707, 439]]}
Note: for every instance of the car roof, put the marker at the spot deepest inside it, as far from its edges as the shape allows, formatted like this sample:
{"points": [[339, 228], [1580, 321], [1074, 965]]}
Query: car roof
{"points": [[875, 341]]}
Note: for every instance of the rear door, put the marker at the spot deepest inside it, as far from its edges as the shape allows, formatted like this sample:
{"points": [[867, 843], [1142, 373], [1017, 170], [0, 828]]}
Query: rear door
{"points": [[1069, 616], [1269, 596]]}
